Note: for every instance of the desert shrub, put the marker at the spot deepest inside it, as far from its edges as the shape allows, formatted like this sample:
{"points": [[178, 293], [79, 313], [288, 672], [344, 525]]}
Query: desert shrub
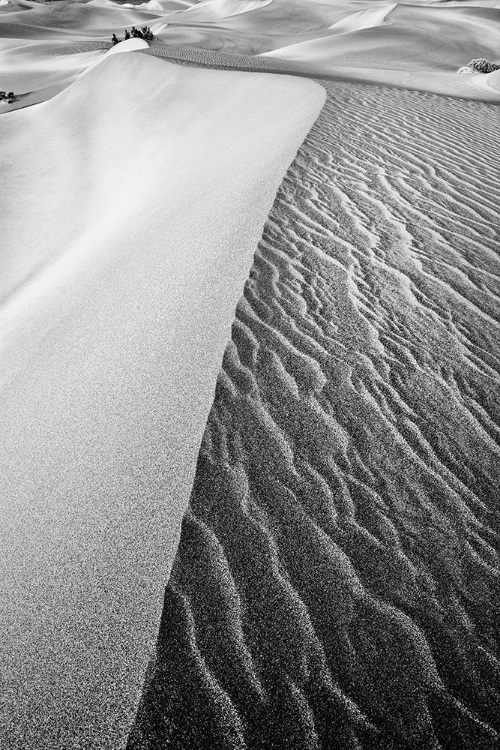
{"points": [[142, 33], [479, 65], [8, 97], [147, 34]]}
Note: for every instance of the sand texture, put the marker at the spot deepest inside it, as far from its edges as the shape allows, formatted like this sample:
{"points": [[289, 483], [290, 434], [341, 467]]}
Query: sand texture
{"points": [[336, 583], [127, 236], [417, 45], [323, 573]]}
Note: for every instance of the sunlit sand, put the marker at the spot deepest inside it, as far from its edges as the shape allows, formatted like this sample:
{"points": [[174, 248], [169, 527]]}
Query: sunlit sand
{"points": [[249, 376]]}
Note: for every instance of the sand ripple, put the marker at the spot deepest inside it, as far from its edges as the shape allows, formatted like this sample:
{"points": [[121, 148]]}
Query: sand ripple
{"points": [[337, 581]]}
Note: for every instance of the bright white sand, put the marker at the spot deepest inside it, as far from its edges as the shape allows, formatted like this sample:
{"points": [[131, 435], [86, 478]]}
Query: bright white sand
{"points": [[132, 206], [417, 45], [411, 47], [39, 70]]}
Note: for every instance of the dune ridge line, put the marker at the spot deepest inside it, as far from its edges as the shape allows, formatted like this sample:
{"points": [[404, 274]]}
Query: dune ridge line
{"points": [[127, 237], [336, 582]]}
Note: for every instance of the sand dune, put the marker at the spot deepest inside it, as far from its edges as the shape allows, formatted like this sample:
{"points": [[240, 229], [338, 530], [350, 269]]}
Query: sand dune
{"points": [[493, 80], [336, 583], [115, 311], [364, 19], [419, 46], [217, 10], [402, 45], [41, 70]]}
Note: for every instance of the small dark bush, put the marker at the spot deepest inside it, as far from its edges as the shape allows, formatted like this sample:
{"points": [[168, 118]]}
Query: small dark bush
{"points": [[147, 34], [8, 97], [479, 65], [142, 33]]}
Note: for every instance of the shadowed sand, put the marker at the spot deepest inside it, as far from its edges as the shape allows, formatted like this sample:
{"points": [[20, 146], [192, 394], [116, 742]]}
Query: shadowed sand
{"points": [[127, 235], [336, 583]]}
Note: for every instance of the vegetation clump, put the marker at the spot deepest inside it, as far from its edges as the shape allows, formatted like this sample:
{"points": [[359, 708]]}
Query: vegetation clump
{"points": [[143, 33], [8, 97], [479, 65]]}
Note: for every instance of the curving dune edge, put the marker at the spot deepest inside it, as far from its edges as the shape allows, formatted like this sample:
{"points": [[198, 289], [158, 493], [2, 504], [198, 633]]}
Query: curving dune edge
{"points": [[336, 582], [134, 201], [331, 552]]}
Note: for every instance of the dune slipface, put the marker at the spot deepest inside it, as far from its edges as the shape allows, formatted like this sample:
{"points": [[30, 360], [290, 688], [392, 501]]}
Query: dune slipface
{"points": [[133, 203], [336, 583]]}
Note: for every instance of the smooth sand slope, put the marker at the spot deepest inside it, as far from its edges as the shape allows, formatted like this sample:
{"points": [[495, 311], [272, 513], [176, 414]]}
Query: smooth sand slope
{"points": [[337, 580], [409, 46], [336, 584], [132, 205]]}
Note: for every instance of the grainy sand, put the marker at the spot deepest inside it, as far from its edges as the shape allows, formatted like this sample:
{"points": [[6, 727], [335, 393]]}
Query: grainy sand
{"points": [[125, 198], [336, 583]]}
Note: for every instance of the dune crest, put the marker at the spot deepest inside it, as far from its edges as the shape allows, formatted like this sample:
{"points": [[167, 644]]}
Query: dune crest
{"points": [[331, 552], [114, 314], [364, 19], [215, 10]]}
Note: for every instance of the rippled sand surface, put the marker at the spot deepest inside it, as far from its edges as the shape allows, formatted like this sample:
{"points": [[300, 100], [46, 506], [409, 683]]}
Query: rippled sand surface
{"points": [[337, 582]]}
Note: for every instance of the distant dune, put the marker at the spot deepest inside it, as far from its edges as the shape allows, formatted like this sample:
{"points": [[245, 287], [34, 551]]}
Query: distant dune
{"points": [[324, 571], [416, 45]]}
